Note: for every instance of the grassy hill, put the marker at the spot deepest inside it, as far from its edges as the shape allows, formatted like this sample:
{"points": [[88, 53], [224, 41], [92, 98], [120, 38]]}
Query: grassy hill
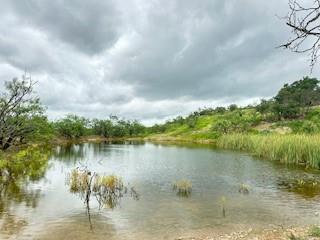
{"points": [[210, 126]]}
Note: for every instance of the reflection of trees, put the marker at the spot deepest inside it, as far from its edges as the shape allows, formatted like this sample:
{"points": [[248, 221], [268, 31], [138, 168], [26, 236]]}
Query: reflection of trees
{"points": [[11, 194], [70, 153], [16, 173]]}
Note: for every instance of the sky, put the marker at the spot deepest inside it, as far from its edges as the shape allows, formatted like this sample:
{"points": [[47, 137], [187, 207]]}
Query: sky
{"points": [[149, 60]]}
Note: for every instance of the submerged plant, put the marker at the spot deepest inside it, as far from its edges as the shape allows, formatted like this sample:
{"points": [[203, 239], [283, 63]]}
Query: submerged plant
{"points": [[183, 188], [308, 186]]}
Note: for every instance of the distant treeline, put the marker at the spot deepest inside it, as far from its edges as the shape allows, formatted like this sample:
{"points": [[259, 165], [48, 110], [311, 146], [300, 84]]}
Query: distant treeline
{"points": [[74, 126], [23, 119]]}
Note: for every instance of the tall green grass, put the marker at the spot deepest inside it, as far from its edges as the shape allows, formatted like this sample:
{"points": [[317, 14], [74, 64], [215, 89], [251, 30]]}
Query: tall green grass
{"points": [[290, 149]]}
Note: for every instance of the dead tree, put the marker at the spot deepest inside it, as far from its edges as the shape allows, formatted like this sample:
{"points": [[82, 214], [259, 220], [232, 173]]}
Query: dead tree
{"points": [[304, 21]]}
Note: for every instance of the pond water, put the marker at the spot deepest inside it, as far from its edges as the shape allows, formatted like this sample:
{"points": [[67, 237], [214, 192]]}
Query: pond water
{"points": [[45, 209]]}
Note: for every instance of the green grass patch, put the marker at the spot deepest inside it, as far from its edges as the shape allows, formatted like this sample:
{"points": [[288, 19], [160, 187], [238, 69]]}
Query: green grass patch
{"points": [[296, 149], [315, 231]]}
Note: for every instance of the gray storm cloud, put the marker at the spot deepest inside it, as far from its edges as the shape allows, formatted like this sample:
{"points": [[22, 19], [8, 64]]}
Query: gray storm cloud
{"points": [[144, 59]]}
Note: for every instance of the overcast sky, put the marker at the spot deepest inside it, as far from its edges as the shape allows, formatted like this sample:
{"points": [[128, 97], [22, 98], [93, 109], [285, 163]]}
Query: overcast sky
{"points": [[147, 59]]}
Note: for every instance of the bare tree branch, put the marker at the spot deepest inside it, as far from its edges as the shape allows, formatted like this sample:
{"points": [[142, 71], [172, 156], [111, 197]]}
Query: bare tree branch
{"points": [[304, 22]]}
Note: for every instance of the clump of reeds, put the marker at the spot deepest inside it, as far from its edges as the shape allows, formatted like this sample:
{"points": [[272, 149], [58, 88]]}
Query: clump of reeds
{"points": [[183, 188], [78, 181], [107, 189], [296, 149], [243, 188]]}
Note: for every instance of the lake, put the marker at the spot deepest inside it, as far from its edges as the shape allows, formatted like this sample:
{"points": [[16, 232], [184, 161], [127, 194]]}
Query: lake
{"points": [[45, 208]]}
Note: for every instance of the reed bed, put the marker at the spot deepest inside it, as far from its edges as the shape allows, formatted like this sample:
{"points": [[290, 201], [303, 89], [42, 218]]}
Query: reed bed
{"points": [[296, 149]]}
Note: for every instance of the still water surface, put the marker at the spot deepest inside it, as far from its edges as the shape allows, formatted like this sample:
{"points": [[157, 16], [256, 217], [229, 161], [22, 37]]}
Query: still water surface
{"points": [[45, 209]]}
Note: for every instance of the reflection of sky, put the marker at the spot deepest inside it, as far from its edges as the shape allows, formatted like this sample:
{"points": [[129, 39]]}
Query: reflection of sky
{"points": [[152, 169]]}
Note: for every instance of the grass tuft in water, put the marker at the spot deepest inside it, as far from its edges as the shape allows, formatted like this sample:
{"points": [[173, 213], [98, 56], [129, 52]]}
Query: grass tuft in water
{"points": [[183, 188], [78, 181], [222, 202], [107, 189], [243, 188]]}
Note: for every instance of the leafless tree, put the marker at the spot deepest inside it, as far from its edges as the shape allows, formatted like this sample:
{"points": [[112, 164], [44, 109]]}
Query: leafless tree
{"points": [[304, 21]]}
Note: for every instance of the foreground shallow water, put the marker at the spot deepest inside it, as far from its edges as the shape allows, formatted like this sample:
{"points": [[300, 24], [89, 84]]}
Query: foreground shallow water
{"points": [[45, 209]]}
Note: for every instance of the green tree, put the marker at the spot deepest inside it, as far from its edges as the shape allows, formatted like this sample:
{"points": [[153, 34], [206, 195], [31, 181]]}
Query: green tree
{"points": [[18, 106], [233, 107], [103, 127], [296, 99], [136, 128], [265, 106], [72, 126]]}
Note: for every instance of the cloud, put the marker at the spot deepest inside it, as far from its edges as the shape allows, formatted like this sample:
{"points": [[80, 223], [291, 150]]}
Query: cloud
{"points": [[89, 26], [148, 60]]}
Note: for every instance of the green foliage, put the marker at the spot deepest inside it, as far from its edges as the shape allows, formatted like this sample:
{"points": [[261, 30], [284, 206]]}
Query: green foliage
{"points": [[236, 121], [220, 110], [222, 126], [233, 107], [43, 130], [71, 126], [295, 99], [191, 121], [315, 231], [117, 128], [102, 127], [18, 109], [265, 106]]}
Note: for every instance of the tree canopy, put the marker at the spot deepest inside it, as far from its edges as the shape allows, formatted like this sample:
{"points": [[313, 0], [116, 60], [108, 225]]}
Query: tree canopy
{"points": [[18, 106]]}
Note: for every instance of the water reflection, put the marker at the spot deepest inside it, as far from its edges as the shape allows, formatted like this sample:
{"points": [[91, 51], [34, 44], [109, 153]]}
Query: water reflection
{"points": [[70, 153], [28, 166], [220, 183]]}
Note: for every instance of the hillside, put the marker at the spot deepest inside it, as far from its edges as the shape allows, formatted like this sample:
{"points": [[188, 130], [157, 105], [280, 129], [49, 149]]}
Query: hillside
{"points": [[212, 125]]}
